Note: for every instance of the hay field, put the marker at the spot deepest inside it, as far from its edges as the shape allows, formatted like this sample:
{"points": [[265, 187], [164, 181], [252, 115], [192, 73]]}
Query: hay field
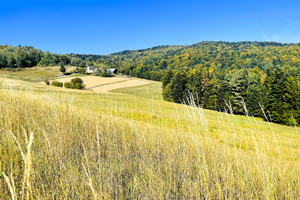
{"points": [[93, 81], [57, 143], [126, 84], [105, 84]]}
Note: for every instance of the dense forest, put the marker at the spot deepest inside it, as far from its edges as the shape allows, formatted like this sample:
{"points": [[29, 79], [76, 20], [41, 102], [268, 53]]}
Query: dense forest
{"points": [[12, 57], [27, 56], [253, 78]]}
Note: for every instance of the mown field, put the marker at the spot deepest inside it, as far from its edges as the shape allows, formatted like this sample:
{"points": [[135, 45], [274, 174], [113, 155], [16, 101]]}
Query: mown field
{"points": [[58, 143], [105, 84]]}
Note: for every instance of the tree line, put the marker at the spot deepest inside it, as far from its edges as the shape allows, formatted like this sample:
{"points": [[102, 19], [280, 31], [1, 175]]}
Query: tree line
{"points": [[26, 56], [13, 57]]}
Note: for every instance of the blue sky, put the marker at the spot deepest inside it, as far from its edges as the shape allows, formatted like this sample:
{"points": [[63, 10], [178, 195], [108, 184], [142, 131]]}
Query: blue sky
{"points": [[103, 26]]}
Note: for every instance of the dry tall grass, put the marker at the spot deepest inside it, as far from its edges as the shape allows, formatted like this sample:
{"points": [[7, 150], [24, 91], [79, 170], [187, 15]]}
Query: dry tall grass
{"points": [[89, 146]]}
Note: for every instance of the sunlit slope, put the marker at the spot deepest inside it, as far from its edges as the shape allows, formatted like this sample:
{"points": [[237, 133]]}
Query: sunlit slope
{"points": [[34, 74], [131, 144]]}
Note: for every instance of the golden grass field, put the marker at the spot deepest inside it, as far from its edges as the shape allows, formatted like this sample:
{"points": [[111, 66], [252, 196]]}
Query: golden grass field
{"points": [[57, 143]]}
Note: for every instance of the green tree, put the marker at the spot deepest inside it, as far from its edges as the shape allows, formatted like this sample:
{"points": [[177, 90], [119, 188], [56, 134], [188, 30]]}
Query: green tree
{"points": [[167, 78], [64, 59], [3, 61], [167, 93], [62, 68], [239, 88], [77, 83], [275, 103], [292, 99], [178, 86]]}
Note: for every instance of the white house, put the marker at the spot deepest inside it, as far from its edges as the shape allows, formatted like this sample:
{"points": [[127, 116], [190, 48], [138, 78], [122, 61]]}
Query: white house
{"points": [[91, 69], [112, 70]]}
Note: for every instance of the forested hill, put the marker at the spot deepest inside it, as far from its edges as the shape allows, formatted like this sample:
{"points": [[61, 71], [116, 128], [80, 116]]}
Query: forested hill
{"points": [[147, 63], [239, 77]]}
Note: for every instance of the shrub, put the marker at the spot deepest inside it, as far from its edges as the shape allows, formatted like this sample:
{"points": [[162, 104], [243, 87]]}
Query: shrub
{"points": [[77, 80], [47, 82], [76, 83], [78, 86], [68, 85], [57, 83]]}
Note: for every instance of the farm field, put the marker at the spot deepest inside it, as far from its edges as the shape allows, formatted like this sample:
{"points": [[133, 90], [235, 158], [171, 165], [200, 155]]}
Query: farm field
{"points": [[104, 84], [58, 143]]}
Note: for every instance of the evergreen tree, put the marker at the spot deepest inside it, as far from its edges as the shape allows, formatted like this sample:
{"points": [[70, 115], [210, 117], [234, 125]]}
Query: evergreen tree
{"points": [[167, 93], [225, 93], [239, 87], [254, 96], [212, 94], [167, 78], [292, 99], [178, 86], [194, 85], [275, 103]]}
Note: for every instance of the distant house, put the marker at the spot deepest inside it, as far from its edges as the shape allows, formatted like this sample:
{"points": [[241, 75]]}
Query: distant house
{"points": [[91, 69], [112, 70]]}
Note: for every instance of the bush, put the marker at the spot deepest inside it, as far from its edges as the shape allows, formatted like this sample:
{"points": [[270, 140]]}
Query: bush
{"points": [[76, 83], [76, 80], [68, 85], [78, 86], [57, 83]]}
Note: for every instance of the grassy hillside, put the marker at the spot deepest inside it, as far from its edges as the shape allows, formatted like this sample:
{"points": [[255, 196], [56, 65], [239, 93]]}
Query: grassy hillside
{"points": [[57, 143], [34, 74]]}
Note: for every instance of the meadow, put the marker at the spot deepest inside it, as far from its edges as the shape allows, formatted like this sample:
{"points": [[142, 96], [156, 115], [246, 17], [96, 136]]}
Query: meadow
{"points": [[57, 143], [34, 74]]}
